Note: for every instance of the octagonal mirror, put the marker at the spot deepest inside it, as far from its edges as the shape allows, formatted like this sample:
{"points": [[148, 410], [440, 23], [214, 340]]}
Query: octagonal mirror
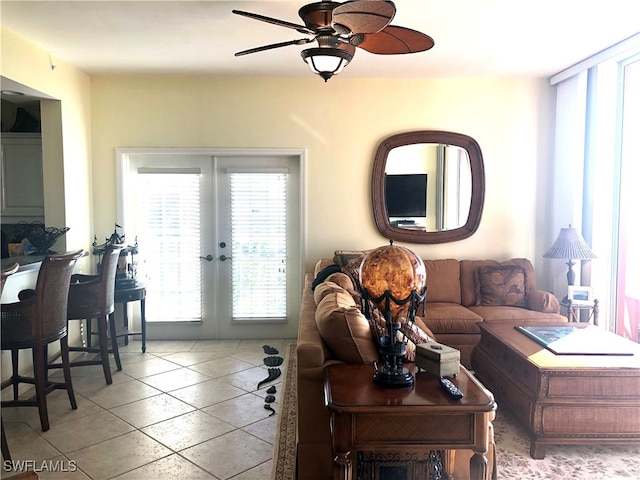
{"points": [[427, 187]]}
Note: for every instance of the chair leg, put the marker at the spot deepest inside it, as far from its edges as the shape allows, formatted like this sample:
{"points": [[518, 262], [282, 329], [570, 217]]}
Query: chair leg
{"points": [[104, 348], [5, 446], [39, 372], [88, 324], [14, 379], [66, 367], [114, 340]]}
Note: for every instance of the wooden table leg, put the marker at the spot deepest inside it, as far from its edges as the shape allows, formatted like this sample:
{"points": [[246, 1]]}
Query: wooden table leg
{"points": [[537, 450], [125, 318], [143, 325], [342, 468], [449, 462], [478, 467], [341, 432]]}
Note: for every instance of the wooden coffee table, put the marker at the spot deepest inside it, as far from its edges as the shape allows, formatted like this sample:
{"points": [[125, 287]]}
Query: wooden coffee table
{"points": [[368, 418], [561, 399]]}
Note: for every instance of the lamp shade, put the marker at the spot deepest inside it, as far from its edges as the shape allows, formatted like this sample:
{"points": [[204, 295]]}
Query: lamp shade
{"points": [[326, 62], [570, 245]]}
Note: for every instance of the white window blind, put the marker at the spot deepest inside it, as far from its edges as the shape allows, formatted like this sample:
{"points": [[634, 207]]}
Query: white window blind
{"points": [[169, 238], [258, 244]]}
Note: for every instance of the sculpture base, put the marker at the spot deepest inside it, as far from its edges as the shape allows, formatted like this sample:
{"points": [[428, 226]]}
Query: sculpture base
{"points": [[387, 378]]}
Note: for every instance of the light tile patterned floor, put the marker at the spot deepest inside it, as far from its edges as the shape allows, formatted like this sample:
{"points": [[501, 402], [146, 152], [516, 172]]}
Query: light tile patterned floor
{"points": [[183, 410]]}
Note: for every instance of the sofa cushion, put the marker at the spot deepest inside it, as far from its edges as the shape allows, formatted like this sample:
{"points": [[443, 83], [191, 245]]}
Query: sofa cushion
{"points": [[543, 301], [450, 318], [326, 288], [515, 315], [321, 265], [343, 327], [501, 285], [341, 279], [443, 280], [322, 275]]}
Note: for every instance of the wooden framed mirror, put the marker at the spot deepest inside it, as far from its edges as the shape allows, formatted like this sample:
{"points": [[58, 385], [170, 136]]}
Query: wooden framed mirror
{"points": [[427, 186]]}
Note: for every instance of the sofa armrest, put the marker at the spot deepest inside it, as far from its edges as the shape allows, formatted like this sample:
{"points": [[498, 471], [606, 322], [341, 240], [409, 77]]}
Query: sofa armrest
{"points": [[544, 302]]}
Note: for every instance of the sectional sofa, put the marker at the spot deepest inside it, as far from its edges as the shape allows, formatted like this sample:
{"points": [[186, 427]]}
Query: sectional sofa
{"points": [[332, 328]]}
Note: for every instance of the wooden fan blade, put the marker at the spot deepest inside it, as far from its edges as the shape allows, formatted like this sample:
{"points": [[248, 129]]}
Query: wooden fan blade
{"points": [[394, 40], [363, 16], [301, 41], [275, 21]]}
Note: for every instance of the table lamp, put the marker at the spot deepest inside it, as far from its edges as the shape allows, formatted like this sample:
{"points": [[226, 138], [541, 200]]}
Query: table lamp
{"points": [[570, 246], [393, 279]]}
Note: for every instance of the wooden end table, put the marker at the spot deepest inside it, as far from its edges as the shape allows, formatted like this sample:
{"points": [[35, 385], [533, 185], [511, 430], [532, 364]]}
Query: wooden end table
{"points": [[562, 399], [137, 293], [133, 294], [366, 417]]}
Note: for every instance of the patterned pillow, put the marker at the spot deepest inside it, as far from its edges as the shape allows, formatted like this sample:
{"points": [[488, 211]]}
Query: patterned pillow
{"points": [[344, 257], [353, 270], [502, 285]]}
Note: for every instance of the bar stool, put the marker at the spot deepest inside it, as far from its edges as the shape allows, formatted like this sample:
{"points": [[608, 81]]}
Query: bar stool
{"points": [[92, 296], [4, 274], [40, 318]]}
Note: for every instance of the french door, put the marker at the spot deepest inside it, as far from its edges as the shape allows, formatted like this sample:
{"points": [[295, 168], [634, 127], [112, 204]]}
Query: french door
{"points": [[219, 240]]}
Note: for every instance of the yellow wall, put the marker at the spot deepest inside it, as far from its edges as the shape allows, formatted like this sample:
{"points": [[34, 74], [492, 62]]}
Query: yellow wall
{"points": [[66, 136], [66, 144], [341, 123]]}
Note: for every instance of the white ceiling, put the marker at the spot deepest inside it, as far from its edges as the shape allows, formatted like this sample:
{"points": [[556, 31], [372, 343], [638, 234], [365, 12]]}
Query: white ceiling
{"points": [[472, 37]]}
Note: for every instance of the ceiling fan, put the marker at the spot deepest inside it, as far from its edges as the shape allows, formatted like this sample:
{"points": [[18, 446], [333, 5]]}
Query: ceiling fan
{"points": [[341, 27]]}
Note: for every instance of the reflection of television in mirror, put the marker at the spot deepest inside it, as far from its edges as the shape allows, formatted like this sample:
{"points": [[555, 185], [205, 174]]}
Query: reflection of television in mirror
{"points": [[406, 195]]}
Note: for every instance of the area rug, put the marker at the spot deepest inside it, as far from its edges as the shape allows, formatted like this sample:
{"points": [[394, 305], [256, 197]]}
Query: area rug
{"points": [[562, 462], [284, 453]]}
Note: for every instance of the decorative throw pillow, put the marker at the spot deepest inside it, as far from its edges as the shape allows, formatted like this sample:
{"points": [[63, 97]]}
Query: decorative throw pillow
{"points": [[353, 270], [344, 257], [503, 285]]}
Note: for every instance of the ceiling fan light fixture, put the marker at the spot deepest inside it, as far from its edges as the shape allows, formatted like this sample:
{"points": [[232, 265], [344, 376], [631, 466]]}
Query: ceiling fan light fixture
{"points": [[326, 62]]}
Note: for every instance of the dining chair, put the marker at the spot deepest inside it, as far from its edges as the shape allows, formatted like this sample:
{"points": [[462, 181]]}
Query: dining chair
{"points": [[92, 296], [4, 274], [34, 322]]}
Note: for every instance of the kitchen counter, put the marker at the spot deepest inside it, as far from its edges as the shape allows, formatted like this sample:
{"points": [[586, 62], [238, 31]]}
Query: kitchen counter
{"points": [[26, 262]]}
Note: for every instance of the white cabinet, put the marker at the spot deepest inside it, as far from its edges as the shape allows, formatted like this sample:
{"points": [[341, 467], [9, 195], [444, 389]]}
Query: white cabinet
{"points": [[22, 186]]}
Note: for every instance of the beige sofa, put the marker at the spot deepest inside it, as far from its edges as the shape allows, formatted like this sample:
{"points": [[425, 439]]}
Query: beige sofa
{"points": [[333, 330]]}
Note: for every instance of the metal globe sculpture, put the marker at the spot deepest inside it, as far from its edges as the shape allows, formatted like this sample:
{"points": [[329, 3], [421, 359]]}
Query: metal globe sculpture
{"points": [[393, 279]]}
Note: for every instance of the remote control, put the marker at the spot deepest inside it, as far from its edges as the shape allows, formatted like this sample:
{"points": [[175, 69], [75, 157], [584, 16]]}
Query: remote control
{"points": [[448, 386]]}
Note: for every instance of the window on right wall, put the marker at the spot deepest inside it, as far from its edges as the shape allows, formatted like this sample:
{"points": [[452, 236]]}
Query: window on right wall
{"points": [[595, 176]]}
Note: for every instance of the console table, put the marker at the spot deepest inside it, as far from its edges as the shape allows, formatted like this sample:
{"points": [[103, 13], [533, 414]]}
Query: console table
{"points": [[365, 417]]}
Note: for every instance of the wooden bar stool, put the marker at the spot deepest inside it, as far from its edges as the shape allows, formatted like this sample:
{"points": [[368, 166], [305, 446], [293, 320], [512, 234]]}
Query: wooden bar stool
{"points": [[6, 273], [92, 296], [40, 318]]}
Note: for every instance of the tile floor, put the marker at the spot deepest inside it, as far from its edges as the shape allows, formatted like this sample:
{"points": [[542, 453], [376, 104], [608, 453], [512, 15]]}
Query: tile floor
{"points": [[183, 410]]}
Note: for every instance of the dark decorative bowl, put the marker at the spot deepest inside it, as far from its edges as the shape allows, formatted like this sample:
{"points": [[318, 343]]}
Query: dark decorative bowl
{"points": [[44, 238]]}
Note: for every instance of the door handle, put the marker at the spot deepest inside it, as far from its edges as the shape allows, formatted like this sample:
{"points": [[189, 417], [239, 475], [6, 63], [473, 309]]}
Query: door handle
{"points": [[208, 258], [222, 258]]}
